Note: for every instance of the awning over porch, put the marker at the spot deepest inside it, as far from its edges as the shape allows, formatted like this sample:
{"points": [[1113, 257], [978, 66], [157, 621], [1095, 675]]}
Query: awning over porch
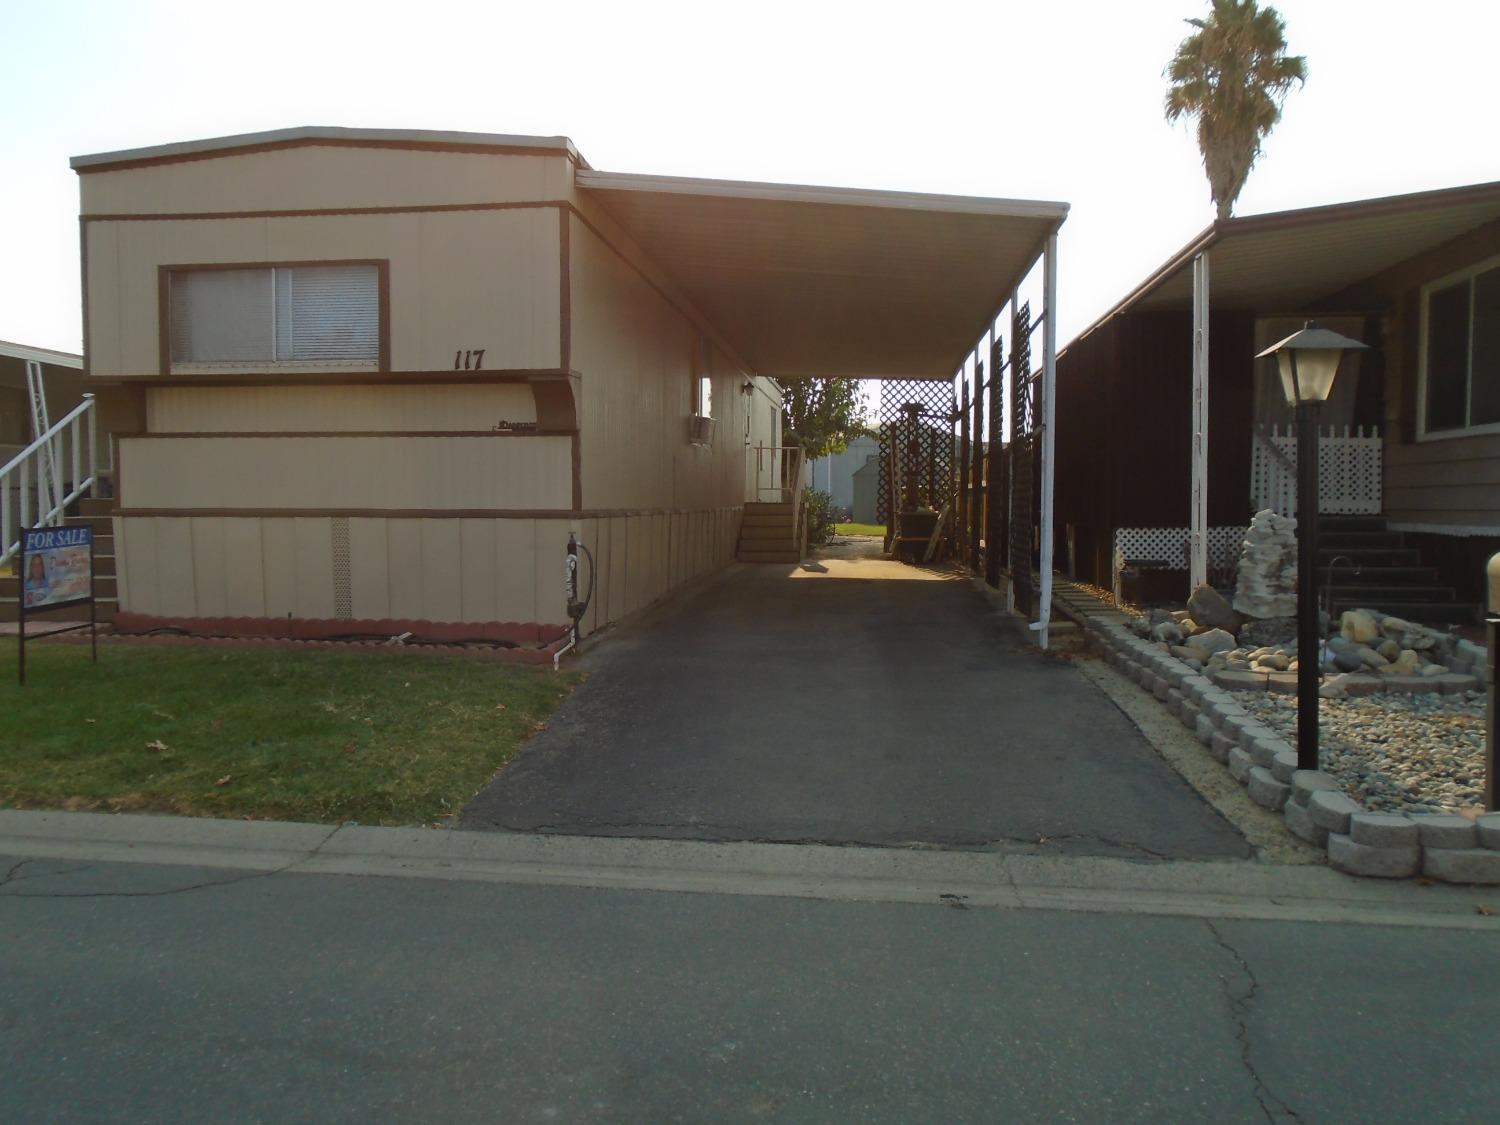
{"points": [[834, 281], [1285, 260]]}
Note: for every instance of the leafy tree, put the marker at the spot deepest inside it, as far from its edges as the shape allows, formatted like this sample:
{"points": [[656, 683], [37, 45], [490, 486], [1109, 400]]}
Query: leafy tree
{"points": [[1232, 74], [821, 415]]}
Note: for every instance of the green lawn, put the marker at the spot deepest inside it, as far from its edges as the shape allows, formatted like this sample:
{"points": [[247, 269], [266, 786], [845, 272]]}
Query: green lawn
{"points": [[859, 529], [317, 735]]}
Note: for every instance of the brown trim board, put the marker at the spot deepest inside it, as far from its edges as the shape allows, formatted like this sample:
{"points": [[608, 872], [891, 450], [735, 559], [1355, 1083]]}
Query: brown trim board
{"points": [[169, 434], [416, 513], [339, 378], [322, 142], [314, 212]]}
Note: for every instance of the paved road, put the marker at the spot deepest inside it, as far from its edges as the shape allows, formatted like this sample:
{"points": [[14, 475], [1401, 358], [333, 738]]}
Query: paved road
{"points": [[818, 704], [132, 992]]}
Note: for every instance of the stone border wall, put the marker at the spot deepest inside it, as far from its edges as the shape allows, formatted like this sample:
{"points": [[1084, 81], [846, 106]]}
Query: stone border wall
{"points": [[1451, 848]]}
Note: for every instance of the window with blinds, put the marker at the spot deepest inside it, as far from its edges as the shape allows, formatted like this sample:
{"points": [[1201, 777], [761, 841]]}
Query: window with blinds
{"points": [[276, 315]]}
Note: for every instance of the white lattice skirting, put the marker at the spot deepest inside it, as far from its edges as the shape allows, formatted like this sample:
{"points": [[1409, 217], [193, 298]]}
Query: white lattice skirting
{"points": [[1349, 471], [1167, 548]]}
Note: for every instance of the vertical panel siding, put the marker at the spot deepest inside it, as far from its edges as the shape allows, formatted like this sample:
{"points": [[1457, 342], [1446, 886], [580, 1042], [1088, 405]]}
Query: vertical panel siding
{"points": [[291, 409]]}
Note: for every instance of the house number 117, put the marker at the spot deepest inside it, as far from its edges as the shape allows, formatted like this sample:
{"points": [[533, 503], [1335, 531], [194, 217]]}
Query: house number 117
{"points": [[468, 360]]}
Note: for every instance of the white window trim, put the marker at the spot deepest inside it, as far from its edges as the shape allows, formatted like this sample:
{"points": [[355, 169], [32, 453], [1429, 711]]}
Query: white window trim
{"points": [[1465, 274]]}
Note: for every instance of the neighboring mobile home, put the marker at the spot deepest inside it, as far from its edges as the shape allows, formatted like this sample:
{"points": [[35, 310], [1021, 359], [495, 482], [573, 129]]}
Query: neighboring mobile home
{"points": [[62, 374], [1411, 435], [380, 376]]}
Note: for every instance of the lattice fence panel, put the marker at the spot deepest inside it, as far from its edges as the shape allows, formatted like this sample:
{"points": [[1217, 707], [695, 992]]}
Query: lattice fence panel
{"points": [[934, 462], [1022, 453], [1168, 548], [1350, 465]]}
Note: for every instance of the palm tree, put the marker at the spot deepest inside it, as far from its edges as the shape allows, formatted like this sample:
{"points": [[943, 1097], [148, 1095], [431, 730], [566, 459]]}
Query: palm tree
{"points": [[1232, 74]]}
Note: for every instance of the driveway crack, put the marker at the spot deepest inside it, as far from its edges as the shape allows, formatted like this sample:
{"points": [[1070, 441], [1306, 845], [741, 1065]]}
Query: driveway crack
{"points": [[203, 885], [1240, 1001]]}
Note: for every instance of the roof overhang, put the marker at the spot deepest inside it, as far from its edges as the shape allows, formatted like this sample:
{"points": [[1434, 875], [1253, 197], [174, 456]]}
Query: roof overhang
{"points": [[41, 355], [1287, 260], [442, 140], [833, 281]]}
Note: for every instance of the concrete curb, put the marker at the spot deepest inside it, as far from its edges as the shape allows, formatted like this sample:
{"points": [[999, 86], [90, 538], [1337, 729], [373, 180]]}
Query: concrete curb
{"points": [[1312, 803], [1083, 884]]}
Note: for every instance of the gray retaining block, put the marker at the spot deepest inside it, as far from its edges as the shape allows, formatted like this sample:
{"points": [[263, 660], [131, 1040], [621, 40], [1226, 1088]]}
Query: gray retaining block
{"points": [[1307, 782], [1362, 859], [1284, 765], [1461, 865], [1252, 731], [1188, 712], [1240, 765], [1266, 791], [1160, 687], [1383, 830], [1204, 729], [1301, 824], [1264, 750], [1220, 747], [1332, 811], [1488, 826], [1442, 830]]}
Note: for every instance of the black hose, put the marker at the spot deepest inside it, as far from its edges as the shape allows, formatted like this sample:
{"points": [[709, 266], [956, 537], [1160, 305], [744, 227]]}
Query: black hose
{"points": [[583, 607]]}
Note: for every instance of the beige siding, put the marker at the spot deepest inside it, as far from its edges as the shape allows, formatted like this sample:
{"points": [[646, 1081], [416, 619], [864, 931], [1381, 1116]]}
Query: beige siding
{"points": [[634, 350], [449, 570], [332, 409], [346, 472], [312, 177], [458, 280]]}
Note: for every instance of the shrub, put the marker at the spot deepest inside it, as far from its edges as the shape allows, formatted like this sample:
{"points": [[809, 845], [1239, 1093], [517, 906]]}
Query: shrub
{"points": [[820, 516]]}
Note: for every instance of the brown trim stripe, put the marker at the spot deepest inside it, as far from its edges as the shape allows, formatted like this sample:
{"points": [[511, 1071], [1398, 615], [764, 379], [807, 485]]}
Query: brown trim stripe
{"points": [[317, 212], [353, 434], [413, 513], [321, 142], [338, 378]]}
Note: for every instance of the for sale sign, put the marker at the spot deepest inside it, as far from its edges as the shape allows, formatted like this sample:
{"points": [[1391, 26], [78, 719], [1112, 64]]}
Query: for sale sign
{"points": [[56, 566]]}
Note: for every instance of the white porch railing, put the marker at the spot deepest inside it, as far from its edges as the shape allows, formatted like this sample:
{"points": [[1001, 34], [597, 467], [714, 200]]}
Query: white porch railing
{"points": [[31, 496], [1349, 471]]}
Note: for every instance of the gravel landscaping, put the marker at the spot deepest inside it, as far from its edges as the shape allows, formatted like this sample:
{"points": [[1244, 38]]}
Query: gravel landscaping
{"points": [[1394, 753]]}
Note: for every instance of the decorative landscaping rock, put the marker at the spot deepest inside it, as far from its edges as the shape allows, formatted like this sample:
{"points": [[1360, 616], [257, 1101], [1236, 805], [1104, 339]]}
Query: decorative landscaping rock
{"points": [[1359, 626], [1209, 607], [1266, 582], [1206, 644], [1268, 631]]}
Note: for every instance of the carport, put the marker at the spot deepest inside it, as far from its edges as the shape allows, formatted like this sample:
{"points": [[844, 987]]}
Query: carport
{"points": [[907, 288]]}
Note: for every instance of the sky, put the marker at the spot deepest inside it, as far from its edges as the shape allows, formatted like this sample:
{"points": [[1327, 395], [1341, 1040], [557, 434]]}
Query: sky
{"points": [[1049, 99]]}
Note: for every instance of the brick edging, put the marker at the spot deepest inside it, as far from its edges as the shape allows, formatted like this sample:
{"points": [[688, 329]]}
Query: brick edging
{"points": [[1439, 846]]}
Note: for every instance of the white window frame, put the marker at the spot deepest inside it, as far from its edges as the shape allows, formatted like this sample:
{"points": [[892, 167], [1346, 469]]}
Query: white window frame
{"points": [[290, 366], [1468, 273]]}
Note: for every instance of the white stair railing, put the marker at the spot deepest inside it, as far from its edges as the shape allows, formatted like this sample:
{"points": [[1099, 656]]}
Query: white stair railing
{"points": [[28, 498], [1349, 470]]}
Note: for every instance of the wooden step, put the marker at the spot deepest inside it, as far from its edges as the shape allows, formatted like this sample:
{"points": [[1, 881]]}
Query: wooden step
{"points": [[780, 531], [758, 508], [787, 556], [95, 506]]}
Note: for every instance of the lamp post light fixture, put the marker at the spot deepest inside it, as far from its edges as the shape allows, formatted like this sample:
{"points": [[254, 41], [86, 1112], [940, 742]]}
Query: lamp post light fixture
{"points": [[1308, 360]]}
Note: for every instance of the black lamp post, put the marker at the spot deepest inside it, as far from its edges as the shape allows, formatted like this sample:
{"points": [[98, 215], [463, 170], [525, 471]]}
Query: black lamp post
{"points": [[1308, 360], [1492, 647]]}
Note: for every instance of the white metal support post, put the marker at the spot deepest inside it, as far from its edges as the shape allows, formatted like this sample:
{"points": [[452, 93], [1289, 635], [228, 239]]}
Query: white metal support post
{"points": [[1049, 432], [1198, 513]]}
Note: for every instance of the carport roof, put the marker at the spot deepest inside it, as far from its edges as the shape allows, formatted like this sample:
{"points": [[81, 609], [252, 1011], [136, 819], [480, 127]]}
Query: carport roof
{"points": [[1286, 259], [834, 281], [798, 280]]}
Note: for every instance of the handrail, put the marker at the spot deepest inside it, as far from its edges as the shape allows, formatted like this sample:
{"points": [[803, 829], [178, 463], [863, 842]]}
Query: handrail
{"points": [[23, 499]]}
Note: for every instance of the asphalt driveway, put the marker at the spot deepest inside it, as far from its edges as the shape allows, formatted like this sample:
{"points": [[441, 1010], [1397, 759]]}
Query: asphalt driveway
{"points": [[852, 701]]}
